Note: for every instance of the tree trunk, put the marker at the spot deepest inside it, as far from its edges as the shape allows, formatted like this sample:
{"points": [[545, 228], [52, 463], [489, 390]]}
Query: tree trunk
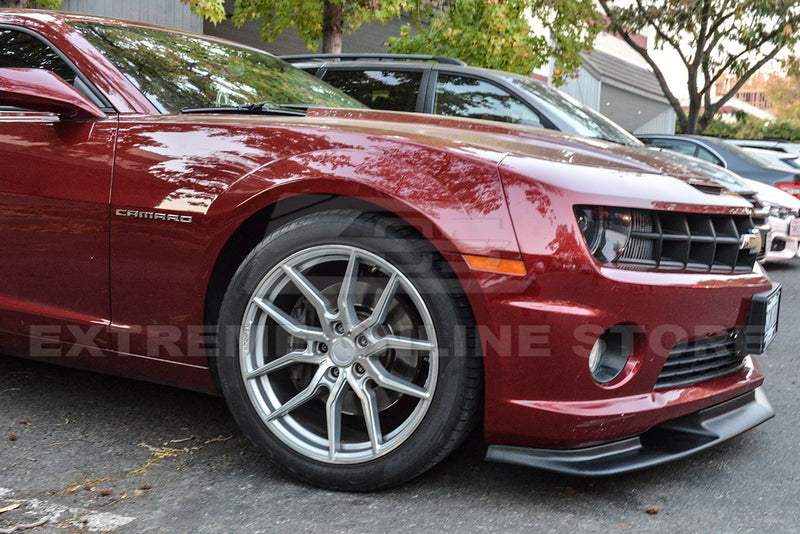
{"points": [[332, 24], [17, 4], [693, 115]]}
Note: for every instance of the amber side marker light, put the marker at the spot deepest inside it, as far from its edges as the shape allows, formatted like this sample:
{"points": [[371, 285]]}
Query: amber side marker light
{"points": [[496, 265]]}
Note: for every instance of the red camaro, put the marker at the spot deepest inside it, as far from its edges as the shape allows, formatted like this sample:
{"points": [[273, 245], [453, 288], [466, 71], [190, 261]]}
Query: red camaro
{"points": [[365, 287]]}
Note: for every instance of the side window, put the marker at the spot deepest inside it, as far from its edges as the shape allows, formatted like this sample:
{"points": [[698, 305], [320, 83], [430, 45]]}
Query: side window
{"points": [[378, 89], [676, 145], [706, 155], [462, 96], [22, 51]]}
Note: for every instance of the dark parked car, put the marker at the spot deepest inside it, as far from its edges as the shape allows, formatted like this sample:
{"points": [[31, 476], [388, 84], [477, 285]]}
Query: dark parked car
{"points": [[445, 86], [360, 284], [725, 154]]}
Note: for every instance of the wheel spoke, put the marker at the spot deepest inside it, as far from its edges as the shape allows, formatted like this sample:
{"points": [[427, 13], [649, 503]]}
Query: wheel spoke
{"points": [[369, 405], [287, 359], [290, 324], [314, 296], [381, 376], [346, 300], [398, 343], [301, 398], [319, 331], [333, 409], [381, 309]]}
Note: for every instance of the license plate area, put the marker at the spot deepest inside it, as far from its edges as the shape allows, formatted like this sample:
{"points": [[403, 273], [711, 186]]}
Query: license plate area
{"points": [[763, 324], [794, 228]]}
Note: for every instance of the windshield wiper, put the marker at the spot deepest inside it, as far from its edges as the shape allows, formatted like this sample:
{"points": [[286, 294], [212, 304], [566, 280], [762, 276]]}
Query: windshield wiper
{"points": [[259, 108]]}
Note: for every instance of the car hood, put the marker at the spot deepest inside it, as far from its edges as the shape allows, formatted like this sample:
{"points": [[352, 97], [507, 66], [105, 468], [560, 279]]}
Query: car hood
{"points": [[493, 141]]}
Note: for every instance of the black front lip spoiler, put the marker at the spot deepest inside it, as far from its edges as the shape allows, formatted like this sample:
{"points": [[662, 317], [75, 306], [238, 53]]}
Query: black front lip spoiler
{"points": [[670, 440]]}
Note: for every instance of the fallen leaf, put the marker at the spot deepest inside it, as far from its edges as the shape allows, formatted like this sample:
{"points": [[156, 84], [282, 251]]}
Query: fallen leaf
{"points": [[23, 422], [88, 487], [653, 510], [105, 493], [145, 487], [218, 438], [10, 507], [136, 493], [12, 437]]}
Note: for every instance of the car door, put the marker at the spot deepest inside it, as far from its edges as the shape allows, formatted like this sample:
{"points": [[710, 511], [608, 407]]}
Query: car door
{"points": [[55, 183]]}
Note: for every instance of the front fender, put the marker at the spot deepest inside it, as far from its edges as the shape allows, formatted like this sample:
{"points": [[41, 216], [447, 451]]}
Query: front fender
{"points": [[460, 207]]}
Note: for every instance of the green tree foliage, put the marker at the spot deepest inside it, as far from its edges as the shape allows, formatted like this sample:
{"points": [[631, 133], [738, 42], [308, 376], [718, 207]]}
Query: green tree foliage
{"points": [[497, 34], [314, 20], [712, 38], [490, 33], [749, 127], [784, 95], [21, 4]]}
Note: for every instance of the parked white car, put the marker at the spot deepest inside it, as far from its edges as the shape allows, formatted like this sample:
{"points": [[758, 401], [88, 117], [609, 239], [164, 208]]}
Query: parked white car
{"points": [[775, 157], [784, 221], [776, 152]]}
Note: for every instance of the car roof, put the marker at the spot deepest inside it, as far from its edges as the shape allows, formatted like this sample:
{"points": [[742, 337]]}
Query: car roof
{"points": [[347, 57]]}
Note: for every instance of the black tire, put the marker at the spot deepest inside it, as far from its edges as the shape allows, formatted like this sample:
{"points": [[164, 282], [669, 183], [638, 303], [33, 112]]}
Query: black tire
{"points": [[303, 319]]}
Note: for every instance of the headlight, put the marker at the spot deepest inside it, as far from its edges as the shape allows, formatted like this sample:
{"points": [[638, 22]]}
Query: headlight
{"points": [[605, 230], [778, 211]]}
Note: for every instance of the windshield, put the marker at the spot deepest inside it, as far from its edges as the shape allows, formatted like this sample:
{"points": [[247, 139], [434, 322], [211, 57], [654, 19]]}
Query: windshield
{"points": [[581, 119], [176, 71]]}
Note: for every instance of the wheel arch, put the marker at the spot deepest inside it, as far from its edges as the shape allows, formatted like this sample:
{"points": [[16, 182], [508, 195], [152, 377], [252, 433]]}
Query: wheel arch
{"points": [[280, 212]]}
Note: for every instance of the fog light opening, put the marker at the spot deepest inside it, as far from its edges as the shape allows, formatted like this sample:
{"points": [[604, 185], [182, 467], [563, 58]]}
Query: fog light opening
{"points": [[610, 353]]}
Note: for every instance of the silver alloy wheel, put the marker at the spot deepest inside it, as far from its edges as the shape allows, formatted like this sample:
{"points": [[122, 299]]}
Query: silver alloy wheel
{"points": [[338, 354]]}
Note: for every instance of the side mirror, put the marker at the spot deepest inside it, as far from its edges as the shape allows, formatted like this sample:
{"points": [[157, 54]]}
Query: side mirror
{"points": [[44, 90]]}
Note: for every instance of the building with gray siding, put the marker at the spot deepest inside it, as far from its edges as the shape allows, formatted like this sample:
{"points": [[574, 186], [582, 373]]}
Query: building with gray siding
{"points": [[167, 13], [625, 93]]}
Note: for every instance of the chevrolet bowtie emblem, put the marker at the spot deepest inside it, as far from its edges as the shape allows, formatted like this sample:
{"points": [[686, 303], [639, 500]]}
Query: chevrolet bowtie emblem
{"points": [[751, 242]]}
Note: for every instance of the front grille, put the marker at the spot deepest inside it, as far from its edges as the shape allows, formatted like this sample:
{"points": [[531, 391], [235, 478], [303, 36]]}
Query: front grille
{"points": [[694, 361], [673, 241]]}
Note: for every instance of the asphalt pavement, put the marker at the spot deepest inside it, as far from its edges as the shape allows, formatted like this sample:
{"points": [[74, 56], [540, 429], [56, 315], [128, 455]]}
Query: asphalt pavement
{"points": [[91, 453]]}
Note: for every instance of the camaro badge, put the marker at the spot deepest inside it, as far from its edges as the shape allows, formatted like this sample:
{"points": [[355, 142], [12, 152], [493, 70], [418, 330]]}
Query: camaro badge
{"points": [[154, 215]]}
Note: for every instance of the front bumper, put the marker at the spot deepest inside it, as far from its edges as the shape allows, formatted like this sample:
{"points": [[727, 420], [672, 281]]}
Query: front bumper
{"points": [[782, 243], [670, 440]]}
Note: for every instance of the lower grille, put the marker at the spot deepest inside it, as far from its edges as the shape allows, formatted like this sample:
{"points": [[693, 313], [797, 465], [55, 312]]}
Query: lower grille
{"points": [[694, 361]]}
